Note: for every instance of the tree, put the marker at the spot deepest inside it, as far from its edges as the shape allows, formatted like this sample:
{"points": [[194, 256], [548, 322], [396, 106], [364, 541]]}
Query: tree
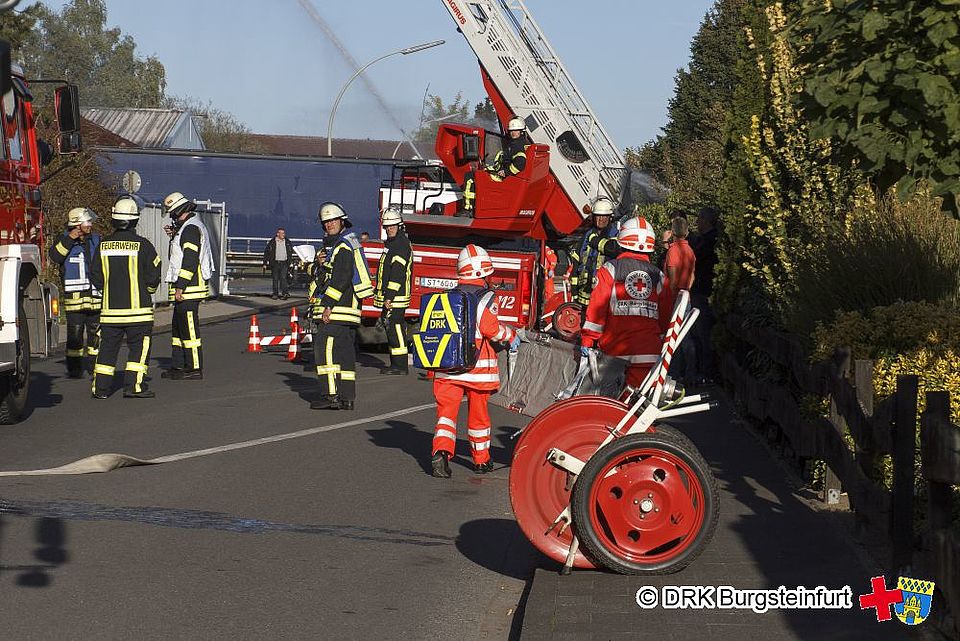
{"points": [[435, 111], [484, 113], [884, 84], [220, 130], [16, 27], [75, 44]]}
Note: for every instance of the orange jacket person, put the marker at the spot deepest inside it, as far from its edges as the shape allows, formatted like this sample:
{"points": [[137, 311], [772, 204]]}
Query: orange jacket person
{"points": [[473, 266], [631, 304]]}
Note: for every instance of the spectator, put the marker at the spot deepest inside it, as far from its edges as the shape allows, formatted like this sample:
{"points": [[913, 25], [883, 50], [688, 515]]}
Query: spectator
{"points": [[704, 246], [679, 266], [666, 238], [277, 257], [364, 236]]}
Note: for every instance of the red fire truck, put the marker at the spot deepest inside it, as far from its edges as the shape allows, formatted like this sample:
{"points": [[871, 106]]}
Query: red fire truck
{"points": [[571, 161], [28, 304]]}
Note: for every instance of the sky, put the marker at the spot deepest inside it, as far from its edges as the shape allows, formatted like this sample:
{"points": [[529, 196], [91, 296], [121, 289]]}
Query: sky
{"points": [[272, 66]]}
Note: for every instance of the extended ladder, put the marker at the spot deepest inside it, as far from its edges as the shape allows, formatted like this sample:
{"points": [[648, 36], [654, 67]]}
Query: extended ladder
{"points": [[537, 87]]}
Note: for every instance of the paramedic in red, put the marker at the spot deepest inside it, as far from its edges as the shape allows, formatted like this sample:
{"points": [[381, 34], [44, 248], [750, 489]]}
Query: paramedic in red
{"points": [[473, 266], [631, 304]]}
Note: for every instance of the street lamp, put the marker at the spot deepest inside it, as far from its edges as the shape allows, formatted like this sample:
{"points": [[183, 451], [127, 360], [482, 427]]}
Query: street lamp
{"points": [[405, 51]]}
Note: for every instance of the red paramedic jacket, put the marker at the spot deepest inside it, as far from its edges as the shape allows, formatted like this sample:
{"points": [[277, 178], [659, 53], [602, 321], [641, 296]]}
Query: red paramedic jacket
{"points": [[485, 375], [629, 309]]}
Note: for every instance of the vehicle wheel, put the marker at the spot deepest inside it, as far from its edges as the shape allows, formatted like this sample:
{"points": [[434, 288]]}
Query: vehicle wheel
{"points": [[14, 388], [568, 320], [646, 504]]}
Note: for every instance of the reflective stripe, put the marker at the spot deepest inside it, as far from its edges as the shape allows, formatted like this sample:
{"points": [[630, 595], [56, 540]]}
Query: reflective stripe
{"points": [[470, 378], [74, 353], [639, 358], [593, 327], [479, 446], [61, 249], [400, 259], [326, 369], [347, 375], [106, 370], [196, 342], [132, 366], [156, 261], [191, 246], [394, 287], [443, 420], [185, 274], [175, 342], [398, 351], [481, 432], [486, 362], [442, 433], [333, 293]]}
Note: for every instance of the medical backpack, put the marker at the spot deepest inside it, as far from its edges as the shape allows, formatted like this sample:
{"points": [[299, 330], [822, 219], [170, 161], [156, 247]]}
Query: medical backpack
{"points": [[446, 338]]}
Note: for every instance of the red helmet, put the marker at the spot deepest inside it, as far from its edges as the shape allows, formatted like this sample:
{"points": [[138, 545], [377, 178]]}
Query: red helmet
{"points": [[636, 234], [474, 262]]}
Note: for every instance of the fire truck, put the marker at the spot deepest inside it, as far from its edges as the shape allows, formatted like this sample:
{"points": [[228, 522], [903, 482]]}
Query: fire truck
{"points": [[28, 304], [571, 160]]}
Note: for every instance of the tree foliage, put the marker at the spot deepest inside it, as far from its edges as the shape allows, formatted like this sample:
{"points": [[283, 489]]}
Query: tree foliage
{"points": [[221, 131], [884, 85], [435, 111], [75, 44]]}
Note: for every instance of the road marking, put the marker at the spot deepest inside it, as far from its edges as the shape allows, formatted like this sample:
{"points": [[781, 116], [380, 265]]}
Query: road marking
{"points": [[107, 462]]}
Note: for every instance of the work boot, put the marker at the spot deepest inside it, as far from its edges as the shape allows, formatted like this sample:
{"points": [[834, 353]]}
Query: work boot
{"points": [[192, 375], [393, 370], [441, 465], [99, 396], [328, 402], [174, 373], [144, 393], [483, 468], [346, 405]]}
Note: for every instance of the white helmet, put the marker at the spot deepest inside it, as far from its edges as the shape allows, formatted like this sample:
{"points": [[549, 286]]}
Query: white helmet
{"points": [[176, 204], [333, 211], [79, 216], [391, 216], [602, 206], [636, 234], [516, 124], [125, 210], [474, 262]]}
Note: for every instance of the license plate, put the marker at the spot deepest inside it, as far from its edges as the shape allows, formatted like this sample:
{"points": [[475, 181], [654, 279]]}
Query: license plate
{"points": [[438, 283]]}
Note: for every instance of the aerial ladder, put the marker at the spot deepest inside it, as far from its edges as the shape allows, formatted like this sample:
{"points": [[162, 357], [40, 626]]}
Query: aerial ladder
{"points": [[572, 159]]}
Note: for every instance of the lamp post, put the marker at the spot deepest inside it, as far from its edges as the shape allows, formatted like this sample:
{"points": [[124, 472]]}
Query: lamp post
{"points": [[405, 51]]}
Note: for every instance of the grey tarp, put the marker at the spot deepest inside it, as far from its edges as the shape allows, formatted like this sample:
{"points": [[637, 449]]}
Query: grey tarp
{"points": [[545, 366]]}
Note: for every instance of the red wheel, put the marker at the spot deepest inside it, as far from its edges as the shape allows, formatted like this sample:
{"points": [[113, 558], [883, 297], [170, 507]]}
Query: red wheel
{"points": [[568, 320], [646, 504], [539, 492]]}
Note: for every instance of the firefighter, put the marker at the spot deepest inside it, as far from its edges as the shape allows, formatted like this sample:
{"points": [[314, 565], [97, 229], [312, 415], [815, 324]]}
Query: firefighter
{"points": [[126, 269], [336, 311], [548, 261], [631, 304], [81, 301], [392, 293], [509, 161], [473, 266], [595, 249], [191, 266]]}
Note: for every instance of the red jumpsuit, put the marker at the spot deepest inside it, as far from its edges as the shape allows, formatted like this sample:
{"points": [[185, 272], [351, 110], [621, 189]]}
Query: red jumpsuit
{"points": [[629, 310], [549, 273], [478, 384]]}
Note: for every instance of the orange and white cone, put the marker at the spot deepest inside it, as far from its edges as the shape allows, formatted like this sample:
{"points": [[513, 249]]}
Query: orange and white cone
{"points": [[293, 351], [294, 319], [253, 344]]}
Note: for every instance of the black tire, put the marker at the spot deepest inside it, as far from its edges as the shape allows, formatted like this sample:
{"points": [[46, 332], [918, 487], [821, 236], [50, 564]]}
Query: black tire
{"points": [[671, 443], [15, 388]]}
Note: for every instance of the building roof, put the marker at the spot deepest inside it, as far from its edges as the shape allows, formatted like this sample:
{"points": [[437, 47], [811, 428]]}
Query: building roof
{"points": [[154, 128], [342, 147], [93, 135]]}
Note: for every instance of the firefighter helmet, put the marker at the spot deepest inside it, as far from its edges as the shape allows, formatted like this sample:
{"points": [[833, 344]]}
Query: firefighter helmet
{"points": [[637, 235], [391, 216], [516, 124], [474, 262], [79, 216], [125, 210], [176, 204], [602, 207], [333, 211]]}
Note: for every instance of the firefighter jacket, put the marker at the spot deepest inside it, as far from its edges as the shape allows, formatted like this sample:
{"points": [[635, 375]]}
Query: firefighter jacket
{"points": [[629, 309], [74, 255], [485, 375], [126, 268], [394, 273], [597, 246], [347, 280], [511, 159], [191, 261]]}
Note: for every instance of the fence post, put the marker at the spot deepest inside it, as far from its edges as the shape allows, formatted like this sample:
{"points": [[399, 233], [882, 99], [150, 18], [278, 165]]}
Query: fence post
{"points": [[939, 495], [904, 447], [866, 452], [831, 482]]}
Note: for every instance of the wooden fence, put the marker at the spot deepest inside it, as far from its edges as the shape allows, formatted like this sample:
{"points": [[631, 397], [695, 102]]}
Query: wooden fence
{"points": [[888, 427]]}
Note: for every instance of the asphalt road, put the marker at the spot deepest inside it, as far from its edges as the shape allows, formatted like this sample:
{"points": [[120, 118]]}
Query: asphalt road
{"points": [[337, 535]]}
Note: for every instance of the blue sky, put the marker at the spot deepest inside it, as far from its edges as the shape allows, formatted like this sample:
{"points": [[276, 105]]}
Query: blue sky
{"points": [[269, 64]]}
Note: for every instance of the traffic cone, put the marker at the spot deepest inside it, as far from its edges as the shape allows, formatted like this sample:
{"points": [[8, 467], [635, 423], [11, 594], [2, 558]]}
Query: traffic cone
{"points": [[293, 351], [253, 344], [294, 319]]}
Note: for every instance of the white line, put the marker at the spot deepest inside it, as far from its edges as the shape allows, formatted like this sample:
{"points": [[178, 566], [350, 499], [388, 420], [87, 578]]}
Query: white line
{"points": [[107, 462]]}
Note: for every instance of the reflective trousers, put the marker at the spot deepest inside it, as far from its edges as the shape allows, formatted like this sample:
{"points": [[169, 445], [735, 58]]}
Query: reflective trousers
{"points": [[138, 343], [187, 349], [449, 394], [335, 356], [82, 339], [395, 338]]}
